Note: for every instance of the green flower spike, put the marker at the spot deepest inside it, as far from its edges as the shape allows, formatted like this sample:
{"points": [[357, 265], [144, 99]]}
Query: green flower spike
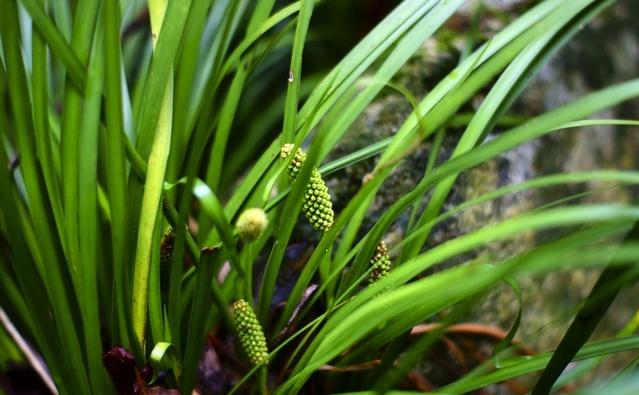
{"points": [[250, 224], [317, 207], [250, 332], [380, 263], [297, 162], [166, 255]]}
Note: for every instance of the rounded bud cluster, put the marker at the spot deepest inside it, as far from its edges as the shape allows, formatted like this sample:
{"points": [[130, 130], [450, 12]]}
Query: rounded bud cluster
{"points": [[166, 256], [297, 162], [317, 207], [251, 224], [380, 263], [250, 333]]}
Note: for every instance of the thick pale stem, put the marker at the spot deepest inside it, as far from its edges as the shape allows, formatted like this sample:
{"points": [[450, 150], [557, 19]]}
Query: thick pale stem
{"points": [[152, 188]]}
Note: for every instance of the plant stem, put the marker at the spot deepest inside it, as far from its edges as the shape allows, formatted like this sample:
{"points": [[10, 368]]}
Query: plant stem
{"points": [[263, 381], [248, 268], [152, 187]]}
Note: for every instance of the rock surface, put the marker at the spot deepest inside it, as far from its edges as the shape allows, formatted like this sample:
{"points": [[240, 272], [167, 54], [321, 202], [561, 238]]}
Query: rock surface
{"points": [[603, 52]]}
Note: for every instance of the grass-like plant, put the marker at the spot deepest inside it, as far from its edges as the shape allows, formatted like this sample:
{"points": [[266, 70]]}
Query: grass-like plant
{"points": [[107, 144]]}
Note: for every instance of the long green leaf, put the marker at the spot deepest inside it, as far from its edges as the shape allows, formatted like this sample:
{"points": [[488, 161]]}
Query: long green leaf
{"points": [[57, 42], [116, 176], [158, 159], [61, 299]]}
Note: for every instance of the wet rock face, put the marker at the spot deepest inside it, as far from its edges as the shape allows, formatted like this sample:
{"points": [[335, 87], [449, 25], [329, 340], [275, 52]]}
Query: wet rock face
{"points": [[602, 53], [504, 5]]}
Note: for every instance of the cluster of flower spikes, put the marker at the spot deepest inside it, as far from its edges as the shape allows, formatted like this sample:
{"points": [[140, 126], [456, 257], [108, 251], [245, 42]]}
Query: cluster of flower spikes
{"points": [[380, 263], [317, 207], [250, 333], [166, 255]]}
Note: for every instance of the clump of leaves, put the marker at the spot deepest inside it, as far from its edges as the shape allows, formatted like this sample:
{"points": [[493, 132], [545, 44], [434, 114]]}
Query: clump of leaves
{"points": [[112, 133]]}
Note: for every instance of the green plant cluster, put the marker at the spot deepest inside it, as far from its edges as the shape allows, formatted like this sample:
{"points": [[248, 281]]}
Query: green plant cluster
{"points": [[120, 120]]}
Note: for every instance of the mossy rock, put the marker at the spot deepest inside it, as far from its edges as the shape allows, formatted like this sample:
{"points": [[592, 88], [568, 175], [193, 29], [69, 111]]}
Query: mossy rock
{"points": [[569, 75]]}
